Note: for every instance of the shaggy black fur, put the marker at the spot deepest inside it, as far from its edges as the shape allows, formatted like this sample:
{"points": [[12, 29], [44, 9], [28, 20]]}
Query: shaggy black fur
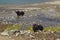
{"points": [[20, 13], [37, 27]]}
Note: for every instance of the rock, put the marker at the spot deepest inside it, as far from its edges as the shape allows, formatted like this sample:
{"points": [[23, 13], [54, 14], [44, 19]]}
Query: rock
{"points": [[27, 31], [24, 32], [13, 31], [52, 31], [31, 36], [57, 39], [5, 33], [17, 34], [21, 32]]}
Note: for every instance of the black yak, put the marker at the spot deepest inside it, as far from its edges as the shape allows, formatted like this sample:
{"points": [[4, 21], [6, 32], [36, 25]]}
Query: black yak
{"points": [[19, 13], [37, 27]]}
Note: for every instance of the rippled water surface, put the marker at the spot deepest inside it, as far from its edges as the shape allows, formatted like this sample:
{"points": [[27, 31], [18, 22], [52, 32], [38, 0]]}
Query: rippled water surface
{"points": [[44, 17]]}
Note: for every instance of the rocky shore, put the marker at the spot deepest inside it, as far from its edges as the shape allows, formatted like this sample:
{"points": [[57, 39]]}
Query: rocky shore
{"points": [[33, 36]]}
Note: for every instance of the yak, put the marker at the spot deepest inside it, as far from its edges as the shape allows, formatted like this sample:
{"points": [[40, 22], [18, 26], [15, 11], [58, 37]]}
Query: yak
{"points": [[20, 13], [37, 27]]}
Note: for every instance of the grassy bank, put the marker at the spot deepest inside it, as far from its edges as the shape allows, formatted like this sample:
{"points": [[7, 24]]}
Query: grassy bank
{"points": [[18, 26]]}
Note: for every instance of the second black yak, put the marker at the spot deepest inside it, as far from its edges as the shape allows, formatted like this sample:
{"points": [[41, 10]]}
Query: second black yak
{"points": [[37, 27]]}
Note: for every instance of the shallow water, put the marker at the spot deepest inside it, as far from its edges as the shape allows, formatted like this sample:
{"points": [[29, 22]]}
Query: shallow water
{"points": [[44, 17]]}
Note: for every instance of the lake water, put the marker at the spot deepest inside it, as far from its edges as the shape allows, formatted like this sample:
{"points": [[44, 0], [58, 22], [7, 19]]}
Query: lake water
{"points": [[43, 17], [21, 1]]}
